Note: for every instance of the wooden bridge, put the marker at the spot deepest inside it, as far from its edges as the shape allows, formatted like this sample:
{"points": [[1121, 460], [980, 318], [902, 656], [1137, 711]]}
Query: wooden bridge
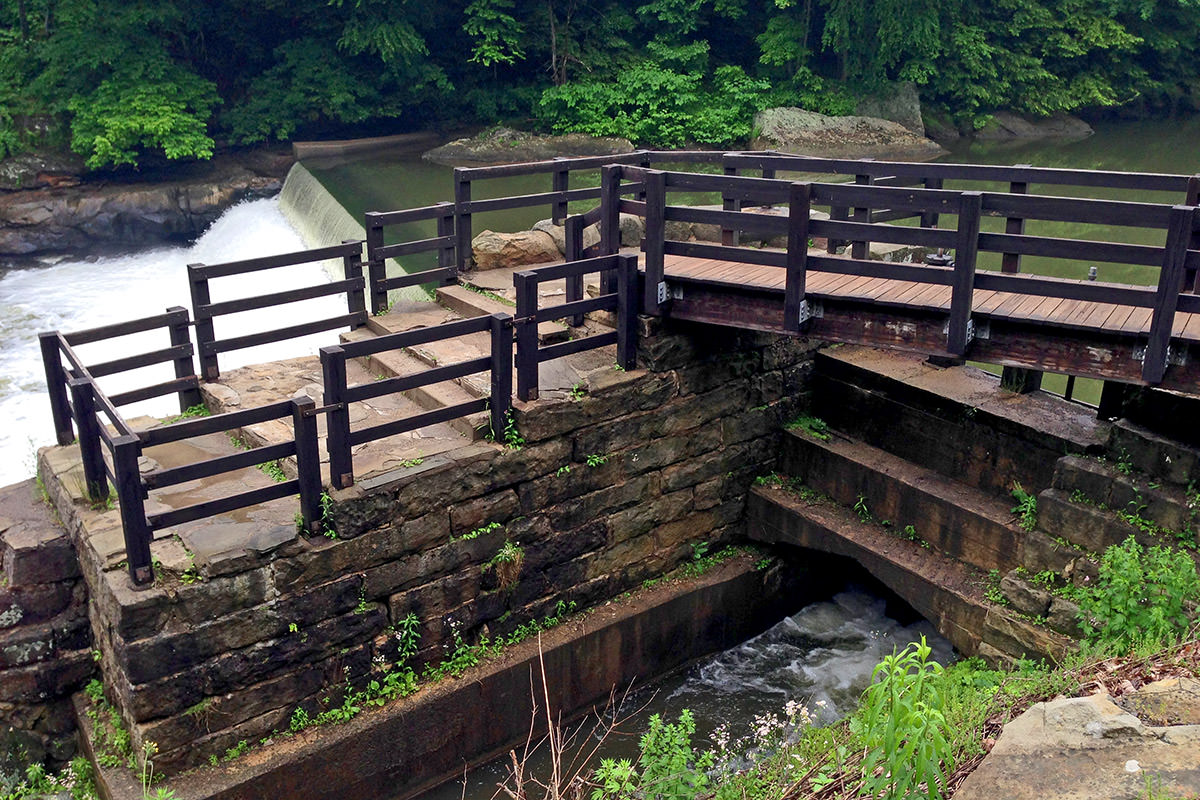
{"points": [[946, 306]]}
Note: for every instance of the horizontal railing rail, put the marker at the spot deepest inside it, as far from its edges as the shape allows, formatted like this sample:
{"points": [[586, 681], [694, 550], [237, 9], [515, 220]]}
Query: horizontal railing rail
{"points": [[339, 394], [445, 244], [205, 310], [623, 301]]}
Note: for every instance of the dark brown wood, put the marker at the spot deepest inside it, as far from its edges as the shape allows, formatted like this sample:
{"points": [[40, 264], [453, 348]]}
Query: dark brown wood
{"points": [[376, 268], [462, 219], [836, 213], [526, 334], [438, 243], [386, 219], [337, 420], [308, 463], [1076, 209], [205, 335], [443, 276], [964, 273], [83, 401], [213, 310], [56, 386], [610, 220], [1191, 281], [185, 364], [417, 421], [563, 349], [217, 466], [124, 328], [173, 386], [893, 234], [227, 269], [576, 308], [1053, 247], [126, 450], [417, 336], [573, 235], [799, 208], [352, 272], [1064, 288], [404, 383], [202, 426], [279, 334], [536, 199], [627, 304], [1011, 262], [447, 253], [656, 201], [1170, 283], [560, 181], [763, 224], [929, 219], [500, 398], [222, 505], [731, 237], [862, 214]]}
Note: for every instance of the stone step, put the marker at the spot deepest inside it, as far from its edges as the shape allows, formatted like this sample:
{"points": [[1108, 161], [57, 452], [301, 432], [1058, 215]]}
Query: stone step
{"points": [[1116, 484], [956, 519], [956, 420], [471, 303], [1095, 528], [399, 363], [947, 592], [1158, 458]]}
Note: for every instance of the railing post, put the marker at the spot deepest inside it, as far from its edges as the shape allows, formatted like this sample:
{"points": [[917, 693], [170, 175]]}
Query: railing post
{"points": [[645, 162], [185, 364], [573, 236], [836, 214], [526, 333], [56, 386], [656, 233], [958, 331], [83, 397], [627, 304], [1011, 262], [462, 218], [337, 437], [130, 494], [729, 236], [352, 270], [929, 219], [446, 253], [610, 220], [799, 205], [1192, 279], [205, 336], [862, 249], [308, 462], [502, 373], [560, 181], [1166, 299], [376, 268]]}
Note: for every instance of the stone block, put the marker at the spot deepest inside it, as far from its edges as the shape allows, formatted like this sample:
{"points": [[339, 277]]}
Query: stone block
{"points": [[1063, 616], [473, 514], [704, 377], [39, 602], [1087, 526], [435, 598], [39, 642], [33, 684], [641, 518], [595, 505], [1023, 639], [228, 548], [1086, 475], [564, 546], [34, 555], [418, 568], [1040, 552], [1023, 596]]}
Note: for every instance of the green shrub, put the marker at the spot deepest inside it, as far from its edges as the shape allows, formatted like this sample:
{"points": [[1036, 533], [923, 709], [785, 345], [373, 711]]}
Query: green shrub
{"points": [[668, 768], [1141, 597]]}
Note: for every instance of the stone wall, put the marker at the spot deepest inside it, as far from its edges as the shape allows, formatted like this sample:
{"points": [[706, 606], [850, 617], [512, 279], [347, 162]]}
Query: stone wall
{"points": [[607, 491], [45, 643]]}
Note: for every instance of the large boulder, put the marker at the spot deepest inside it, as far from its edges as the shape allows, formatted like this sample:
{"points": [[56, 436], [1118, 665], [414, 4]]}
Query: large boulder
{"points": [[591, 234], [493, 250], [796, 130], [508, 146], [1004, 126], [898, 102]]}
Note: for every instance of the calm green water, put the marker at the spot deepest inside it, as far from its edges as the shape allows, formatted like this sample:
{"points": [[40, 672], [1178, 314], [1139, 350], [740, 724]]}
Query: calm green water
{"points": [[384, 182]]}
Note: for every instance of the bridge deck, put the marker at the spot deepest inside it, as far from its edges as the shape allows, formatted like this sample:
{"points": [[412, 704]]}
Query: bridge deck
{"points": [[1090, 339]]}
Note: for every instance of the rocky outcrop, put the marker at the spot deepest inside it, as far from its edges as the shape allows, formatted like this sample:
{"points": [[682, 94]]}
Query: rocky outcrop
{"points": [[795, 130], [508, 146], [1005, 126], [493, 250], [898, 103], [66, 215], [1090, 747]]}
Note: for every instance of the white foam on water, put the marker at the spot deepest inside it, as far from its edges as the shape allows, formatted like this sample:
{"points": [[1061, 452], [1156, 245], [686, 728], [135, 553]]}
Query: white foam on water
{"points": [[76, 295]]}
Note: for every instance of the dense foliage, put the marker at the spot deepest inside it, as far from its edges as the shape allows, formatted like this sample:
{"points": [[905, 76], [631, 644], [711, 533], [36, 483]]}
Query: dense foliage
{"points": [[116, 80]]}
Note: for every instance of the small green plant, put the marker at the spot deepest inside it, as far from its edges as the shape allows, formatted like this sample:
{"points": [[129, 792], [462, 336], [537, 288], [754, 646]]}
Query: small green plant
{"points": [[1026, 507], [507, 563], [565, 469], [1140, 598], [488, 294], [409, 463], [327, 527], [668, 767], [595, 460], [992, 591], [1080, 497], [860, 508], [513, 439], [903, 727], [363, 606], [273, 470], [191, 412], [476, 533], [815, 427], [772, 479], [1123, 464], [578, 393], [237, 751], [618, 367]]}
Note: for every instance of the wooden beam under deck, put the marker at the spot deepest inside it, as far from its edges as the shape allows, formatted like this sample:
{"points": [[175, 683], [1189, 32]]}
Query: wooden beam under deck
{"points": [[1084, 339]]}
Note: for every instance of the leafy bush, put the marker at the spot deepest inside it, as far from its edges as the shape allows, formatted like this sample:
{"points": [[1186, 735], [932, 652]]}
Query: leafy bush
{"points": [[1141, 597], [668, 768], [903, 727]]}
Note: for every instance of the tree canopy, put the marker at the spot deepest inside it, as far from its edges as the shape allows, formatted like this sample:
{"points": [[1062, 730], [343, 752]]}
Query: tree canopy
{"points": [[119, 79]]}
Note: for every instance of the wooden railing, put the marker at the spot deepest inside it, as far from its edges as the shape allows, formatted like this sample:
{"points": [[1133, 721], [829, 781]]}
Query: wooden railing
{"points": [[199, 276], [339, 395], [623, 301], [445, 244]]}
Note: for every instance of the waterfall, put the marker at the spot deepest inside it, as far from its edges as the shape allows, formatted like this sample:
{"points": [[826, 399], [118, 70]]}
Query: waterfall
{"points": [[322, 220]]}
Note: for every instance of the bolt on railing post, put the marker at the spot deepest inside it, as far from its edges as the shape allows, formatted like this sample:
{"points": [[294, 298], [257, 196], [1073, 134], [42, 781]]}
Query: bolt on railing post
{"points": [[526, 335], [500, 400], [337, 438], [627, 306], [376, 268], [462, 218], [185, 363], [130, 496], [799, 207], [56, 386], [308, 463], [963, 287], [83, 398], [352, 270], [205, 335]]}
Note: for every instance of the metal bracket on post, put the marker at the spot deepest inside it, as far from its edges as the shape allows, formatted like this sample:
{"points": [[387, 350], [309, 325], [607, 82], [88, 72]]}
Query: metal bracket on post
{"points": [[970, 330], [1176, 357], [806, 311], [663, 294]]}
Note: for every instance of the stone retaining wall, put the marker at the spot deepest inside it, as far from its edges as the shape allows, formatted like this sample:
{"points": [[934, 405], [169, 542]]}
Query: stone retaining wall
{"points": [[607, 491]]}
